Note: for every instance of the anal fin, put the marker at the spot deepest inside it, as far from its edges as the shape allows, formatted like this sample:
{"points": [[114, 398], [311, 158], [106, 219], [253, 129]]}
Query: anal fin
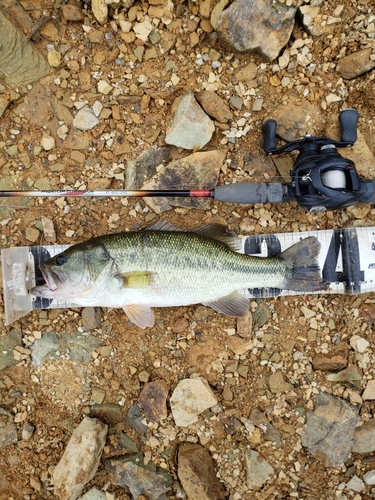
{"points": [[232, 305], [142, 316]]}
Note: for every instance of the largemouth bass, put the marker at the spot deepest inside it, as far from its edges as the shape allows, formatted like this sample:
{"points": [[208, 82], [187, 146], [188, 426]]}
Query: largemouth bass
{"points": [[163, 266]]}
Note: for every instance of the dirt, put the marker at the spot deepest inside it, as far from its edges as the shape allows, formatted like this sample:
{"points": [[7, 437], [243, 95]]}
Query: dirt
{"points": [[55, 396]]}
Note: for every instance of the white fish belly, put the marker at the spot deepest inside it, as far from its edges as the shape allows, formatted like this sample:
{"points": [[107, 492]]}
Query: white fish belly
{"points": [[181, 288]]}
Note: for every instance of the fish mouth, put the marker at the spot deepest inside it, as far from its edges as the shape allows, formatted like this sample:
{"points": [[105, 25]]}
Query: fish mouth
{"points": [[54, 279]]}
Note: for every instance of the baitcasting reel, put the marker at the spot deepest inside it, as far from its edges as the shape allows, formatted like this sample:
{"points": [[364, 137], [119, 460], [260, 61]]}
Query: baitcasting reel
{"points": [[322, 179]]}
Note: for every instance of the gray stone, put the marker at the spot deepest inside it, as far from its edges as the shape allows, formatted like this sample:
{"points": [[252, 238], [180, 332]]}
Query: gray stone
{"points": [[198, 170], [8, 434], [330, 429], [364, 437], [257, 26], [94, 494], [27, 431], [355, 484], [7, 343], [138, 479], [369, 477], [81, 458], [134, 418], [75, 346], [92, 317], [85, 119], [259, 471], [190, 128], [142, 168]]}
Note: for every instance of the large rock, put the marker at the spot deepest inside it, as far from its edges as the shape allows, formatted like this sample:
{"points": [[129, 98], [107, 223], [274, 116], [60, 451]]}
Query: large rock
{"points": [[81, 458], [260, 26]]}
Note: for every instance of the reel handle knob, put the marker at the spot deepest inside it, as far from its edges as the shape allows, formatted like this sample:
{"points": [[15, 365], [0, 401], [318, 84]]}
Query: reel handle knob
{"points": [[348, 120], [269, 135]]}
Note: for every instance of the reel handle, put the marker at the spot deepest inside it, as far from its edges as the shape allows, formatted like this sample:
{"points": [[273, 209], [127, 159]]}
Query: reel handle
{"points": [[269, 135], [348, 121]]}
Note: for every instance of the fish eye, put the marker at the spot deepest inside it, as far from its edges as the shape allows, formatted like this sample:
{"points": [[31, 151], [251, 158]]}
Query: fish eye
{"points": [[60, 260]]}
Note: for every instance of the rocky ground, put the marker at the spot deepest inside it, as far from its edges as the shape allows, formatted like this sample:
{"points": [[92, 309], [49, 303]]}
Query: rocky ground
{"points": [[201, 406]]}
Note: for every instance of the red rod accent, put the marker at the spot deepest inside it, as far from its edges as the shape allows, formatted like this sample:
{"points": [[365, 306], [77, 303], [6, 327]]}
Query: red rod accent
{"points": [[201, 193]]}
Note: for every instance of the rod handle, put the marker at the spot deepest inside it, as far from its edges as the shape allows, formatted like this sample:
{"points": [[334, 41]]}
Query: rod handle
{"points": [[250, 193]]}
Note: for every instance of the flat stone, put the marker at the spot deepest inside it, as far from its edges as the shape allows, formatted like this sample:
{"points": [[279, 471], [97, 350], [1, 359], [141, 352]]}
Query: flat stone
{"points": [[337, 359], [190, 127], [198, 169], [350, 374], [94, 494], [355, 484], [278, 384], [153, 399], [369, 477], [8, 433], [330, 429], [369, 392], [138, 479], [258, 470], [85, 119], [142, 168], [110, 413], [190, 398], [71, 12], [92, 317], [355, 64], [47, 142], [134, 418], [214, 106], [81, 458], [72, 345], [7, 344], [196, 471], [97, 395], [245, 325], [364, 437], [32, 234]]}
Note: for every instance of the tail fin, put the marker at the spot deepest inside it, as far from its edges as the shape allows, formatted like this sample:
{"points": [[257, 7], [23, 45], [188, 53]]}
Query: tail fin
{"points": [[302, 259]]}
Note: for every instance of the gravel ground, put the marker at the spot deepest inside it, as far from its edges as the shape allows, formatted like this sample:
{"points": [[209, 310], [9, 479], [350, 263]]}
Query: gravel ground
{"points": [[264, 373]]}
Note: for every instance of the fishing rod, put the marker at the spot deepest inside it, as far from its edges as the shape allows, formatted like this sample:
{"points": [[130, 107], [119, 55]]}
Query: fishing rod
{"points": [[321, 179]]}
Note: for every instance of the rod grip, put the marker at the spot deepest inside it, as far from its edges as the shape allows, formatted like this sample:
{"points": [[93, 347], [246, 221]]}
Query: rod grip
{"points": [[250, 193]]}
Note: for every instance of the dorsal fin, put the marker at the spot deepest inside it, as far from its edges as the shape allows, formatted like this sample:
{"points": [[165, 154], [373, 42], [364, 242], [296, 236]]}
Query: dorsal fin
{"points": [[220, 233]]}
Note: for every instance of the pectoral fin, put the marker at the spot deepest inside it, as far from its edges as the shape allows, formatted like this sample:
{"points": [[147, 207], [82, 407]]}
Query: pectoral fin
{"points": [[232, 305], [142, 316], [135, 279]]}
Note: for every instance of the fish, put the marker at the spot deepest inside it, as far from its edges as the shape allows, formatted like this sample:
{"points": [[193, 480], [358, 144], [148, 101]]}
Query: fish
{"points": [[162, 266]]}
